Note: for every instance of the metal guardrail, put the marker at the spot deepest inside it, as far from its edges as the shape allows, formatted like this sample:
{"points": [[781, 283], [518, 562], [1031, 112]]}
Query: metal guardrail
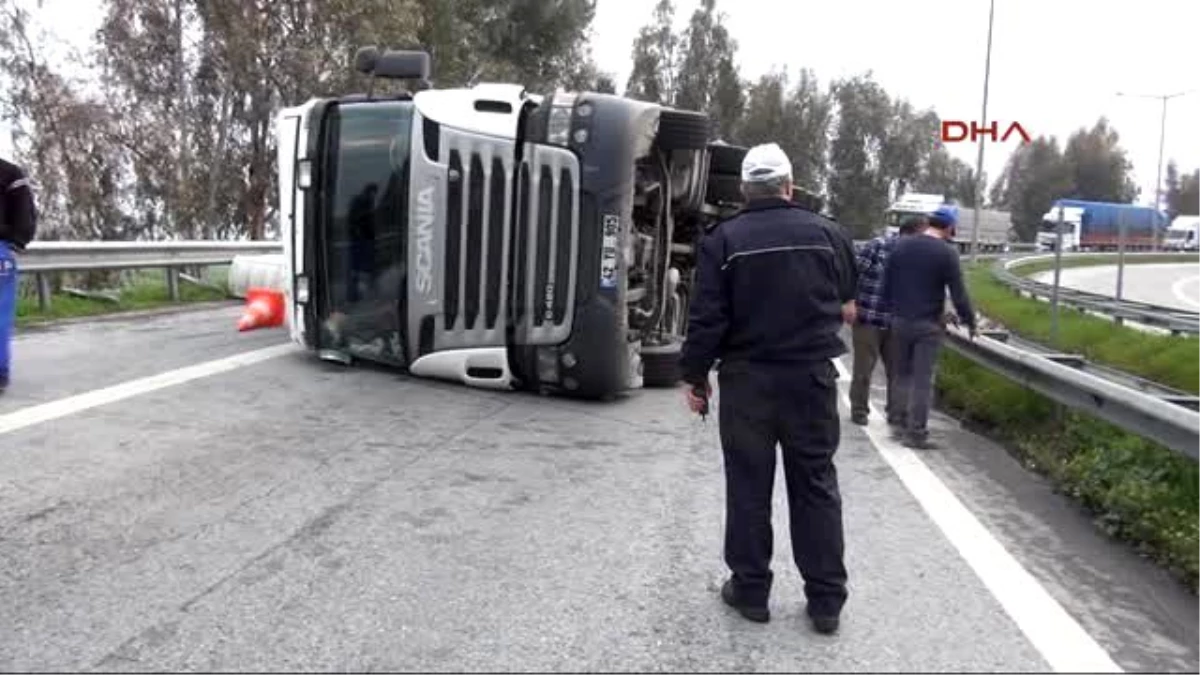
{"points": [[1163, 415], [44, 257], [1174, 320]]}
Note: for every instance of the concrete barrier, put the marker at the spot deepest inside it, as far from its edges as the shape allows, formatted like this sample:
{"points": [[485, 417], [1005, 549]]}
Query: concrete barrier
{"points": [[257, 271]]}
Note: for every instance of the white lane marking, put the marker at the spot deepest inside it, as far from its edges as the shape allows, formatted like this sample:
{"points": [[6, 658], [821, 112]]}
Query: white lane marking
{"points": [[1065, 645], [1177, 291], [44, 412]]}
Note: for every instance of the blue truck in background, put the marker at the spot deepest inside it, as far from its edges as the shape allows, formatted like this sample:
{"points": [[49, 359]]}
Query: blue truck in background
{"points": [[1096, 226]]}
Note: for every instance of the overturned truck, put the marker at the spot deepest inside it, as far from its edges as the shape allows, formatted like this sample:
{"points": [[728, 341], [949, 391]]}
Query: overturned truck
{"points": [[495, 237]]}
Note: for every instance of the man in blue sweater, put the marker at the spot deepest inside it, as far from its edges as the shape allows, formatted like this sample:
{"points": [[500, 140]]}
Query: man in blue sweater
{"points": [[918, 272]]}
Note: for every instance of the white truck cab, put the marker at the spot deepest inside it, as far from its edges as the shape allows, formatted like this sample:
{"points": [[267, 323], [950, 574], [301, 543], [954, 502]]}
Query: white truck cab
{"points": [[1183, 234], [1072, 218]]}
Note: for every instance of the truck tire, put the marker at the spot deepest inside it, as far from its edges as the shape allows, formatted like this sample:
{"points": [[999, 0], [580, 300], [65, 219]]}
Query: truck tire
{"points": [[726, 159], [682, 130], [723, 189], [660, 364]]}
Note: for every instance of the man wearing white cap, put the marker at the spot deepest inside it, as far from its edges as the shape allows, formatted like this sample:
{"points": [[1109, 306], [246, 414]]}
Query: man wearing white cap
{"points": [[775, 283]]}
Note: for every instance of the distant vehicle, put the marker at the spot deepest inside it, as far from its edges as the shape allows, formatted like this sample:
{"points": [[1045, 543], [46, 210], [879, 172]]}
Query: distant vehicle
{"points": [[1096, 226], [1183, 234], [994, 230]]}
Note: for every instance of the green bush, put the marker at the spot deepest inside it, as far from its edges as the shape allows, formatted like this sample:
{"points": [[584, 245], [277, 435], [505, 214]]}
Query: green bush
{"points": [[1138, 490]]}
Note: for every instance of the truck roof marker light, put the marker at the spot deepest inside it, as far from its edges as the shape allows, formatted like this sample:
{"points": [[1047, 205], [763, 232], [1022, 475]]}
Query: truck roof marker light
{"points": [[304, 174]]}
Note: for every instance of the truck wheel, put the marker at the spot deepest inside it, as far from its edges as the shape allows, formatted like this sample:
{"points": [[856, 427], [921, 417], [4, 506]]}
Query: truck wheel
{"points": [[724, 189], [660, 363], [682, 130], [726, 159]]}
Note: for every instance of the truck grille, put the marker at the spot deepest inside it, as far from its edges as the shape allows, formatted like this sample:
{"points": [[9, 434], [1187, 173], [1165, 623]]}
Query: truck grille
{"points": [[479, 234], [547, 246]]}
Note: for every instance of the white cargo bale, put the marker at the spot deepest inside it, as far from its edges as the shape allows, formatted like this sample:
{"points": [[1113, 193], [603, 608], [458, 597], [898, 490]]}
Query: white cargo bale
{"points": [[257, 271]]}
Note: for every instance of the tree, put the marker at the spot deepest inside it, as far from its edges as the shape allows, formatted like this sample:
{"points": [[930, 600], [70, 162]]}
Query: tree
{"points": [[1182, 193], [655, 58], [1098, 167], [946, 175], [708, 78], [858, 183], [1035, 176]]}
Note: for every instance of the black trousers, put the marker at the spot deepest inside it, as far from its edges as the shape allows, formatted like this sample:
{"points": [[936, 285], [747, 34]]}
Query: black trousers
{"points": [[795, 406]]}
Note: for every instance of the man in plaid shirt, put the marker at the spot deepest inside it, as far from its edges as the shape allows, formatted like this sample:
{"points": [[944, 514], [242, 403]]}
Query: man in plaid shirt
{"points": [[871, 328]]}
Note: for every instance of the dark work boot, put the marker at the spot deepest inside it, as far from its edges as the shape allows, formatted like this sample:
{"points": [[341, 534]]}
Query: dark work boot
{"points": [[859, 418], [825, 625], [919, 441], [758, 614]]}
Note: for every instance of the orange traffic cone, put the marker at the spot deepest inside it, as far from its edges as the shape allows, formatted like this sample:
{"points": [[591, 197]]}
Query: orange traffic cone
{"points": [[264, 309]]}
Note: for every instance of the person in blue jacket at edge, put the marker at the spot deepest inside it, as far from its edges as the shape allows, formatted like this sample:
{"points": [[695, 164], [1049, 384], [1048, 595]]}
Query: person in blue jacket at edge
{"points": [[18, 224], [775, 284], [918, 272]]}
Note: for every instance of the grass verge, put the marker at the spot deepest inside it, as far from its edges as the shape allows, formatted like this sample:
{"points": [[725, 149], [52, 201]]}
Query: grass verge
{"points": [[1170, 360], [135, 291], [1137, 490]]}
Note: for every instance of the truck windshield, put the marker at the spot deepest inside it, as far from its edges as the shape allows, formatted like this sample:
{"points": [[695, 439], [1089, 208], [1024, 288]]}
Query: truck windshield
{"points": [[366, 225]]}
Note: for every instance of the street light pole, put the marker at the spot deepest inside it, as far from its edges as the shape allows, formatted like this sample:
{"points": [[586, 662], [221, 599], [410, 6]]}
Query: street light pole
{"points": [[979, 187], [1162, 137]]}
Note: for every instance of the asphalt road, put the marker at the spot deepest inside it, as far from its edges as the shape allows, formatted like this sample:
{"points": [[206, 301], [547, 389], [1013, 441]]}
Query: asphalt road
{"points": [[276, 513], [1169, 285]]}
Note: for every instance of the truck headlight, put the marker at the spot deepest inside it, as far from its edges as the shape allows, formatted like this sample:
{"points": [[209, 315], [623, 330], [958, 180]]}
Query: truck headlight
{"points": [[558, 130]]}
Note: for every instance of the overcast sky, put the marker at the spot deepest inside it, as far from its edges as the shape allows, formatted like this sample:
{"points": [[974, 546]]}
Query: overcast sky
{"points": [[1057, 65]]}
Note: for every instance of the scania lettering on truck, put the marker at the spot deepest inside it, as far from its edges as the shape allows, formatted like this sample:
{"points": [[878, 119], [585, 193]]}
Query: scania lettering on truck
{"points": [[494, 237]]}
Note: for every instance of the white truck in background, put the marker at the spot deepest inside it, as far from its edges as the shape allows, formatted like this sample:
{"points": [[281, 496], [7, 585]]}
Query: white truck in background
{"points": [[1183, 234], [995, 227]]}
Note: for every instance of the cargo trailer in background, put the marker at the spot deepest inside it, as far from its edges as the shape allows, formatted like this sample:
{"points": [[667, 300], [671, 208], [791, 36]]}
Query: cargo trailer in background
{"points": [[1097, 226], [995, 227]]}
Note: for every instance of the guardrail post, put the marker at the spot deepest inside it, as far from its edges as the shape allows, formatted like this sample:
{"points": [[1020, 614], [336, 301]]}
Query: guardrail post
{"points": [[43, 291], [173, 283]]}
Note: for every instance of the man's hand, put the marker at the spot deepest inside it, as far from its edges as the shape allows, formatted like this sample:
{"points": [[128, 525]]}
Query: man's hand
{"points": [[849, 312], [695, 403]]}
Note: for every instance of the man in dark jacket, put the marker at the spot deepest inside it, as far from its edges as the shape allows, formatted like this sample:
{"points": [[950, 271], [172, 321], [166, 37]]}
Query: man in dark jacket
{"points": [[871, 334], [17, 227], [775, 284], [918, 272]]}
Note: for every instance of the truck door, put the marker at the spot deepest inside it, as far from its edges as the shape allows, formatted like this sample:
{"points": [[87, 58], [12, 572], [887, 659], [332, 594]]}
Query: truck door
{"points": [[290, 143]]}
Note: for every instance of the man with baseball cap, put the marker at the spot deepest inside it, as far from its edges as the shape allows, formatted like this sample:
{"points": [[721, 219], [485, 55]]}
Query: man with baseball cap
{"points": [[918, 272], [774, 285]]}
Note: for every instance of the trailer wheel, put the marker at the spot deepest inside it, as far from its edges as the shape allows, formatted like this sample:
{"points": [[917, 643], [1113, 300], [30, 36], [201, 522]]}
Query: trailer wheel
{"points": [[682, 130], [660, 363]]}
